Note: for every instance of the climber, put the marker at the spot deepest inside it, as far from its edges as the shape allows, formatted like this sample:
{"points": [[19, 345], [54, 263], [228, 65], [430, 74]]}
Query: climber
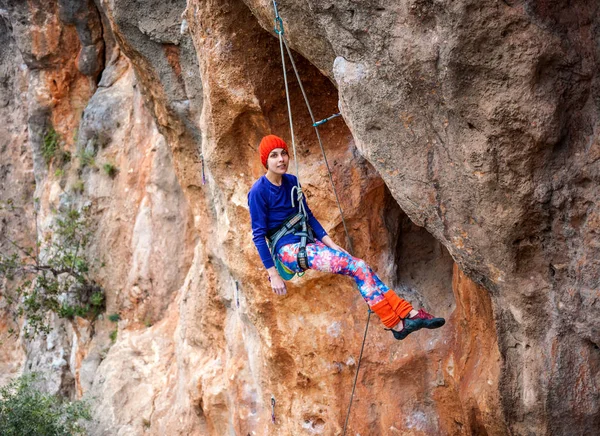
{"points": [[270, 201]]}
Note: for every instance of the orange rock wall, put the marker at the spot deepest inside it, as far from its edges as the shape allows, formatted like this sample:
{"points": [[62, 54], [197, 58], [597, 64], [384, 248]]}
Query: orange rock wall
{"points": [[203, 345]]}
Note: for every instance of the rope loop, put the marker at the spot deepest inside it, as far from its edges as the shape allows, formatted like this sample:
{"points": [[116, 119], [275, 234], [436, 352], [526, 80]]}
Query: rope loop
{"points": [[299, 194]]}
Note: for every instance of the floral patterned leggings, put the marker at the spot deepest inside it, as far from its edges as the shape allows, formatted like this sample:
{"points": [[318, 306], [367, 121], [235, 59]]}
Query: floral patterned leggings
{"points": [[323, 258]]}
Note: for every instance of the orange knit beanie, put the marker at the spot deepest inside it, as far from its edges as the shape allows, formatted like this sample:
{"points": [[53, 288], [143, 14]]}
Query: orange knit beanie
{"points": [[268, 144]]}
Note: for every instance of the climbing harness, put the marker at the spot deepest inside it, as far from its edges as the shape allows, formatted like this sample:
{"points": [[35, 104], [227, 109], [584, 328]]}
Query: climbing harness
{"points": [[279, 30], [297, 225]]}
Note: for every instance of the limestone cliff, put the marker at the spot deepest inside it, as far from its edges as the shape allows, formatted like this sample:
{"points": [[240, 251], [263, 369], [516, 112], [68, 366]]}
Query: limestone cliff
{"points": [[468, 161]]}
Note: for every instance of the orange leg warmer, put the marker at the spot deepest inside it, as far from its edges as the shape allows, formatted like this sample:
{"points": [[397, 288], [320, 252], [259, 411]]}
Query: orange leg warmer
{"points": [[400, 306], [386, 313]]}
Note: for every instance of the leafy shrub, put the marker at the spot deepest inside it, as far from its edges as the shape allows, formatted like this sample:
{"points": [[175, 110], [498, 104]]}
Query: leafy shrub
{"points": [[87, 158], [50, 145], [110, 169], [66, 311], [57, 279], [26, 411], [113, 335], [97, 299], [78, 186], [114, 317]]}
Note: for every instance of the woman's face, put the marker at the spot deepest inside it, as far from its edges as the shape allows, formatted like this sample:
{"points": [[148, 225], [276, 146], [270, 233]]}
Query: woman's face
{"points": [[278, 161]]}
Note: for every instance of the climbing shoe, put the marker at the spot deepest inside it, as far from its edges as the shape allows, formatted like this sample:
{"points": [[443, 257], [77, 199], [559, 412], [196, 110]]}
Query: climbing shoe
{"points": [[421, 320]]}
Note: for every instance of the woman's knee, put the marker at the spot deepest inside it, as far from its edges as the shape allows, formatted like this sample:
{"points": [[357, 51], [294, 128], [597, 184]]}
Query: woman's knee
{"points": [[360, 264]]}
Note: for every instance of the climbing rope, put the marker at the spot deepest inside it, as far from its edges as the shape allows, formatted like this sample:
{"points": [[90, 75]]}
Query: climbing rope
{"points": [[316, 126], [279, 30], [362, 347]]}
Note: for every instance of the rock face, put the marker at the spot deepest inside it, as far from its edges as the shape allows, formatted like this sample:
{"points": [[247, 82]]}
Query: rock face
{"points": [[482, 120], [16, 178], [467, 163]]}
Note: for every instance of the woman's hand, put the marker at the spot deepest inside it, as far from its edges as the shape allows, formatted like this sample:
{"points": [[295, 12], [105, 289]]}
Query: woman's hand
{"points": [[277, 283], [338, 248], [329, 242]]}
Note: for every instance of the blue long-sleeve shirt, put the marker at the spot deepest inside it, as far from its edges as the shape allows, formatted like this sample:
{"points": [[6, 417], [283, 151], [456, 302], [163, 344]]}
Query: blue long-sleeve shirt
{"points": [[269, 206]]}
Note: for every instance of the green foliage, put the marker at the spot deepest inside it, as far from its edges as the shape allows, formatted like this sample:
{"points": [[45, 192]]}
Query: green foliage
{"points": [[97, 299], [110, 169], [59, 173], [96, 306], [78, 186], [50, 145], [114, 317], [26, 411], [113, 335], [87, 158], [56, 280], [66, 311], [70, 311]]}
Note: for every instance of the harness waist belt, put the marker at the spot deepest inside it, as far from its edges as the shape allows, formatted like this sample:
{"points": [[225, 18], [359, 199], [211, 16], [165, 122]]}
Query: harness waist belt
{"points": [[297, 225], [287, 227]]}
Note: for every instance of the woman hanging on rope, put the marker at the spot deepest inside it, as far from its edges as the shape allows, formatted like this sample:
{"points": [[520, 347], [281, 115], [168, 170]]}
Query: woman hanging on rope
{"points": [[270, 201]]}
